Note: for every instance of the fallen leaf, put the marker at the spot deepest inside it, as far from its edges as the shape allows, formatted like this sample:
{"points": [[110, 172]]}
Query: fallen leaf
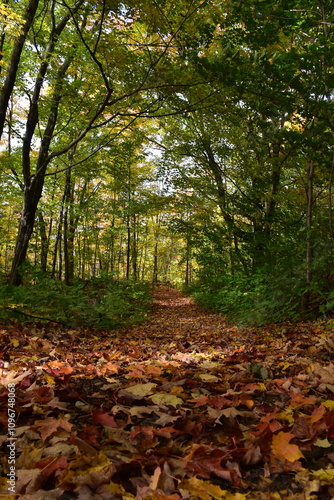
{"points": [[51, 425], [283, 450], [162, 399], [141, 389], [208, 377], [203, 489], [103, 418]]}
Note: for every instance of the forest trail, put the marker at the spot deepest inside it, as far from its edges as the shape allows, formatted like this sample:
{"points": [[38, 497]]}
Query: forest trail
{"points": [[177, 318], [184, 406]]}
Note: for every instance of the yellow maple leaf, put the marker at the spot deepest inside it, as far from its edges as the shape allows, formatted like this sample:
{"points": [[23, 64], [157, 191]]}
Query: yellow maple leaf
{"points": [[115, 488], [208, 377], [161, 398], [207, 491], [325, 475], [283, 450], [203, 489], [49, 379], [323, 443], [141, 389]]}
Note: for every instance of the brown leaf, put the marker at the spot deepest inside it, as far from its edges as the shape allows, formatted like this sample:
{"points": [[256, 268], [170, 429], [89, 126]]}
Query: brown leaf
{"points": [[50, 426]]}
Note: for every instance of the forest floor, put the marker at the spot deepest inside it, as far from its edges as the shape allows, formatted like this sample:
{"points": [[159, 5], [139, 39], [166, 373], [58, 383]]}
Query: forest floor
{"points": [[183, 407]]}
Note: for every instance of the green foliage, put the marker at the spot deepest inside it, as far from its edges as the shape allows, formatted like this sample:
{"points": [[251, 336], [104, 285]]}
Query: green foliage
{"points": [[255, 300], [97, 303], [267, 290]]}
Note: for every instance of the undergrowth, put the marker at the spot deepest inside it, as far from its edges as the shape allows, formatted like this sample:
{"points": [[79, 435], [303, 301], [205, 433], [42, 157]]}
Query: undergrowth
{"points": [[96, 303], [259, 299]]}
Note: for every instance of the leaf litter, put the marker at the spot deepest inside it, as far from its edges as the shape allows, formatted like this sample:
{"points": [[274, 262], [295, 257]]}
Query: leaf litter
{"points": [[185, 406]]}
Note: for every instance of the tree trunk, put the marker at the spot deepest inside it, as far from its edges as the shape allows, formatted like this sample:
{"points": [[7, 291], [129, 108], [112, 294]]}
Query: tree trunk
{"points": [[33, 185], [216, 171], [155, 264], [330, 210], [57, 248], [112, 257], [44, 242], [309, 242], [128, 247], [69, 228], [135, 249], [188, 264], [31, 198]]}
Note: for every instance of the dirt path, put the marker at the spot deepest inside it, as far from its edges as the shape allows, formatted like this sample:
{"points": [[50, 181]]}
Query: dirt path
{"points": [[173, 312], [176, 319]]}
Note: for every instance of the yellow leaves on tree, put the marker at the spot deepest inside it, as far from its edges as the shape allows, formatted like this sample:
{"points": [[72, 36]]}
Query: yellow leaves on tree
{"points": [[10, 21]]}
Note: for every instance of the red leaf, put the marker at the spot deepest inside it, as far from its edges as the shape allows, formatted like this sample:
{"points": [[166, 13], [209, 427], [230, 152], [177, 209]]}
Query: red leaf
{"points": [[103, 418], [51, 464]]}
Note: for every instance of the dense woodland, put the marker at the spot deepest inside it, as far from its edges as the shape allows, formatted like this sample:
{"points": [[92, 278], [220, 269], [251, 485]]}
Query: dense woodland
{"points": [[188, 142]]}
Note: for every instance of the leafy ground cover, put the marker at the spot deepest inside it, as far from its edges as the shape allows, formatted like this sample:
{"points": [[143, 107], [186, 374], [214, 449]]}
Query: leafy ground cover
{"points": [[185, 406]]}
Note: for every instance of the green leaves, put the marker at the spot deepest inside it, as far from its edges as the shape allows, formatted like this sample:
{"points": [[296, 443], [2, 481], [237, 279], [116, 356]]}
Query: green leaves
{"points": [[101, 304]]}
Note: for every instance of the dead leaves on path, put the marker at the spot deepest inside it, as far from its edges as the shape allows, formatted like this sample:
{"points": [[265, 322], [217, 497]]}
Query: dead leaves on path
{"points": [[163, 412]]}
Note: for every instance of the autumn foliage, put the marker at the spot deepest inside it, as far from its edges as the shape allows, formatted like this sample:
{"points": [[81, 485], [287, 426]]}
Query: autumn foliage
{"points": [[185, 406]]}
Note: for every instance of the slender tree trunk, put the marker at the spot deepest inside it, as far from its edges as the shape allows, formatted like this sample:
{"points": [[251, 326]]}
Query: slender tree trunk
{"points": [[96, 253], [79, 256], [44, 242], [120, 256], [309, 242], [66, 249], [60, 260], [57, 248], [330, 211], [128, 247], [216, 171], [134, 249], [34, 182], [69, 227], [84, 251], [142, 254], [155, 263], [112, 258], [188, 263], [55, 253]]}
